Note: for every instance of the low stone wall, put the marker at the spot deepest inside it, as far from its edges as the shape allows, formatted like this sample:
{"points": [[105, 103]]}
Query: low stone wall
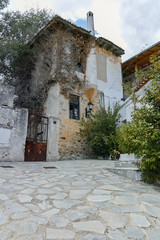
{"points": [[13, 131], [128, 157]]}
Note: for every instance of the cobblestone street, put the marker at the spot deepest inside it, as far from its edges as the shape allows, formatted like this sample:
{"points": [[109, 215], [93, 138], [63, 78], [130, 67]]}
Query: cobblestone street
{"points": [[75, 200]]}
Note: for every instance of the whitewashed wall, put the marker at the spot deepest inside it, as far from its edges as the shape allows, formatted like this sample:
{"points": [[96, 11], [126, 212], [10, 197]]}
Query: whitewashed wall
{"points": [[127, 105], [13, 131], [112, 88], [52, 112], [13, 126]]}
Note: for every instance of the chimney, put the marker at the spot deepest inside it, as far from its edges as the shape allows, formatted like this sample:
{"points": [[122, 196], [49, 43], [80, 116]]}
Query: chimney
{"points": [[90, 23]]}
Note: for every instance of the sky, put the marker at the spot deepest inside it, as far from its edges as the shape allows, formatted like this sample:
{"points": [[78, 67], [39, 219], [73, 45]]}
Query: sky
{"points": [[131, 24]]}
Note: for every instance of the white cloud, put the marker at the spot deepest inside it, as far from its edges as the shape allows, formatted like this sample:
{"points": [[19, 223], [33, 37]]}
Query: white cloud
{"points": [[140, 24], [131, 24]]}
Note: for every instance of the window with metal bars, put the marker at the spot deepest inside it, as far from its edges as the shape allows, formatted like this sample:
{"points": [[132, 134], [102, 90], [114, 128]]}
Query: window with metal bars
{"points": [[74, 107]]}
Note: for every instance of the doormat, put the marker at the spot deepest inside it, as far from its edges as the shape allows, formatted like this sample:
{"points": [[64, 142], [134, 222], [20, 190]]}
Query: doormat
{"points": [[7, 166], [50, 167]]}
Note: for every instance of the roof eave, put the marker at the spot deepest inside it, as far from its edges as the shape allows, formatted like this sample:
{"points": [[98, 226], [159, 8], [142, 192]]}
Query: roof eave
{"points": [[109, 46]]}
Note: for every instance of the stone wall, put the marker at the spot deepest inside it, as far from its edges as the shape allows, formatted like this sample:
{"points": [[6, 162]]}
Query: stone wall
{"points": [[13, 126], [6, 94], [71, 144], [13, 131]]}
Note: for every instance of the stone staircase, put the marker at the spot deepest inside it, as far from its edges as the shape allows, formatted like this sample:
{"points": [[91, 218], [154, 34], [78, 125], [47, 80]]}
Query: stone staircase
{"points": [[126, 167]]}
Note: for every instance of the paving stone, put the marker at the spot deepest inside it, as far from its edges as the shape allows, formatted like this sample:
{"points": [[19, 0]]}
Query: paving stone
{"points": [[58, 189], [124, 200], [78, 194], [15, 208], [32, 207], [51, 212], [153, 234], [24, 198], [117, 235], [45, 205], [45, 191], [92, 183], [79, 183], [5, 235], [59, 234], [20, 215], [147, 198], [3, 197], [101, 192], [3, 218], [140, 220], [2, 181], [22, 227], [60, 221], [111, 188], [90, 226], [94, 237], [66, 203], [63, 183], [27, 191], [98, 198], [158, 222], [59, 196], [134, 232], [8, 203], [31, 237], [153, 211], [114, 220], [87, 209], [38, 220], [104, 205], [128, 209], [74, 215], [41, 197], [39, 182]]}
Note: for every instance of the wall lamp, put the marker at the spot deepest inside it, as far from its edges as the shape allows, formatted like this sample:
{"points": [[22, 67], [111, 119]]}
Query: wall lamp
{"points": [[90, 106]]}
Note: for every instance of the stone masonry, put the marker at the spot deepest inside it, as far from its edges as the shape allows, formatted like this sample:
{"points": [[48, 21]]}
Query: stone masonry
{"points": [[78, 200]]}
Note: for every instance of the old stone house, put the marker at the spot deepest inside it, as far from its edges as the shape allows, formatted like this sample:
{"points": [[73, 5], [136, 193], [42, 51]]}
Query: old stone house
{"points": [[39, 119], [129, 67]]}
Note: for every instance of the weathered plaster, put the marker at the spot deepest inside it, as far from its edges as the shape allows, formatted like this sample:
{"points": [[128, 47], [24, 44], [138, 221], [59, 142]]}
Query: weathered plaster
{"points": [[13, 131], [112, 89], [127, 106], [91, 70], [6, 94], [52, 112], [18, 135]]}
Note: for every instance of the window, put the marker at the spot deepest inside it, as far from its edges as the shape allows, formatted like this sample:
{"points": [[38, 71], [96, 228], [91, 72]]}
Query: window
{"points": [[74, 112], [101, 67]]}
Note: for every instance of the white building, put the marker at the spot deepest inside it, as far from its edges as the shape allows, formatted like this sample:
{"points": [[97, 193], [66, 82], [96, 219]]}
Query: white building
{"points": [[129, 67]]}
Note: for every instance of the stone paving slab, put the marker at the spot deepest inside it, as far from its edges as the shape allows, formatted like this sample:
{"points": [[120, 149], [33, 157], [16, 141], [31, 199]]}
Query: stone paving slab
{"points": [[78, 200]]}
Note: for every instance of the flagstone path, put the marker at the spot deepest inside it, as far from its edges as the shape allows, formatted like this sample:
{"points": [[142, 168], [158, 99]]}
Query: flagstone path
{"points": [[78, 200]]}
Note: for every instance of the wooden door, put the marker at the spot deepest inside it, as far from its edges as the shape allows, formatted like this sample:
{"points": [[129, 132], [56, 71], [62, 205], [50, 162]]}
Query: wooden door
{"points": [[36, 142]]}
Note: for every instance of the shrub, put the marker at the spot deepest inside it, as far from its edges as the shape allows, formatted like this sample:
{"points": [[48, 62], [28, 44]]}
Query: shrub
{"points": [[142, 135], [100, 131]]}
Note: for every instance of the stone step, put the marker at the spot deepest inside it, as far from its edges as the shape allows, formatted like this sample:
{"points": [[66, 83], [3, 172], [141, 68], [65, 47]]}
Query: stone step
{"points": [[125, 164], [131, 173], [128, 157]]}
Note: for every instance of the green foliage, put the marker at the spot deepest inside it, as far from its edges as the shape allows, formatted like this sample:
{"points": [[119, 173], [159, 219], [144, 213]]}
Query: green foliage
{"points": [[100, 131], [142, 135], [16, 30], [3, 4]]}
